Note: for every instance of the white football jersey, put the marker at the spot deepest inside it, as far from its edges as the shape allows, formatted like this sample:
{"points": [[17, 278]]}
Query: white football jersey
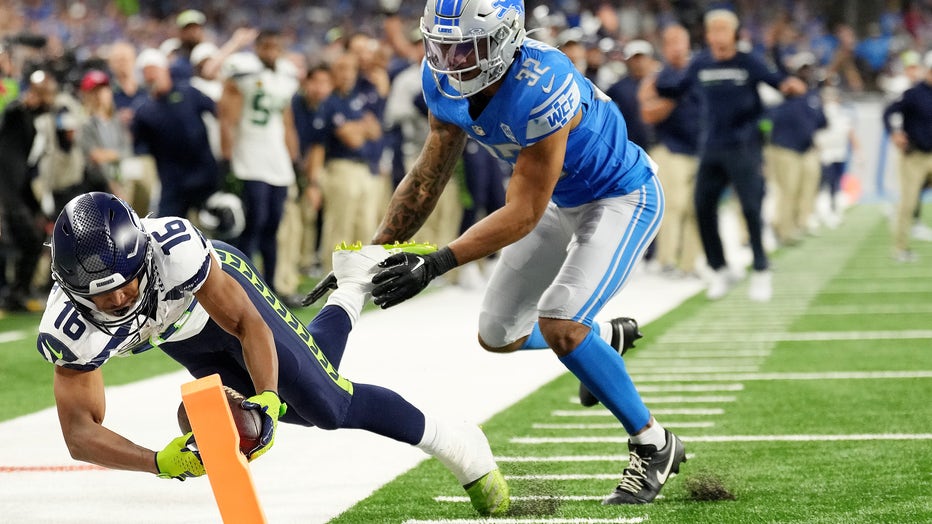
{"points": [[181, 258], [260, 152]]}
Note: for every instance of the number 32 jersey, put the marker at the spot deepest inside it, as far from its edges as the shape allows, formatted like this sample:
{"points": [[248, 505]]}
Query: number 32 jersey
{"points": [[181, 259], [541, 92]]}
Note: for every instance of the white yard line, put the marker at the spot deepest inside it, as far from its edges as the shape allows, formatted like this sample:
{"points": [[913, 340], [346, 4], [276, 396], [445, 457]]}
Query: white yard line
{"points": [[12, 336], [529, 498], [746, 377], [808, 438], [685, 358], [535, 520], [805, 336], [657, 352], [567, 476], [871, 309], [683, 399], [636, 369], [601, 412], [617, 425], [693, 388], [564, 458], [572, 458], [727, 438], [676, 399]]}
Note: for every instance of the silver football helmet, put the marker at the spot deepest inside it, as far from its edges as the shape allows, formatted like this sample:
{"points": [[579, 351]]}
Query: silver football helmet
{"points": [[471, 42]]}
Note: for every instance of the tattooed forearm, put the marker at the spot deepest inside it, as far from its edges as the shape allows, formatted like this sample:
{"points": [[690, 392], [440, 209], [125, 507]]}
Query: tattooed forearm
{"points": [[418, 192]]}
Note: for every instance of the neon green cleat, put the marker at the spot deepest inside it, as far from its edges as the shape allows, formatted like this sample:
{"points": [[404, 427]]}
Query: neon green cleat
{"points": [[418, 248], [489, 494]]}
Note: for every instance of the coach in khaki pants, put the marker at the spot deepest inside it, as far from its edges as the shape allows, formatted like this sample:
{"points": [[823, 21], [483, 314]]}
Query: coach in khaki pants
{"points": [[796, 175], [793, 161], [914, 139], [346, 183], [677, 130]]}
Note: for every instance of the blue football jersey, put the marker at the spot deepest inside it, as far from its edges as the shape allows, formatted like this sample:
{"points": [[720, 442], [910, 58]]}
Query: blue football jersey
{"points": [[542, 92]]}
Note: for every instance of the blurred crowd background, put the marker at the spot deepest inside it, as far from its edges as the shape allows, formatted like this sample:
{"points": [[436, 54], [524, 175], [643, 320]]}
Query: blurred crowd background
{"points": [[78, 69]]}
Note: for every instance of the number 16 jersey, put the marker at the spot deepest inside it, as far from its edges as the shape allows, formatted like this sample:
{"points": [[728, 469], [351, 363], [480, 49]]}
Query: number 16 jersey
{"points": [[181, 263]]}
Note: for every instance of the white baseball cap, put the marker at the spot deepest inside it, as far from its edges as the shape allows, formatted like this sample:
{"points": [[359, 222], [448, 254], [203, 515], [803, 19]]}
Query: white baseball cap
{"points": [[638, 47], [801, 60], [190, 16], [151, 57]]}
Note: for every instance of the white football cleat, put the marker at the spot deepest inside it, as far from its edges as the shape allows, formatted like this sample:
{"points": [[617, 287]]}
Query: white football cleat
{"points": [[354, 265], [720, 284], [761, 286]]}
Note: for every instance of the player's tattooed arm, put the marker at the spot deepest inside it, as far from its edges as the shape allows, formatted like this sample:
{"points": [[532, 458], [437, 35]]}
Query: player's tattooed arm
{"points": [[418, 192]]}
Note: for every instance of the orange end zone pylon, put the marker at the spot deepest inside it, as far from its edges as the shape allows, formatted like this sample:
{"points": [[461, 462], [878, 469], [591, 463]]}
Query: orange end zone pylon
{"points": [[218, 442]]}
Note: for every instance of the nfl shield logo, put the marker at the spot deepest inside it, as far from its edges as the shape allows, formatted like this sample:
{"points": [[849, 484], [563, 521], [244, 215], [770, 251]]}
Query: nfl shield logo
{"points": [[478, 130]]}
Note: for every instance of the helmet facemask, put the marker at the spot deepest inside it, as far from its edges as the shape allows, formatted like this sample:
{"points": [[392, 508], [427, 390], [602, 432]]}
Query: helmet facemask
{"points": [[136, 315]]}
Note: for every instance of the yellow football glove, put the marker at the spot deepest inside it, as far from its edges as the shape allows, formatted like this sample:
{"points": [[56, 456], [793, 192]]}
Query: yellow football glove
{"points": [[180, 459]]}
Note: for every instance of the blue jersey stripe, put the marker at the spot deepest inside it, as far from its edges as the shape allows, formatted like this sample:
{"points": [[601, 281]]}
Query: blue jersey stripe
{"points": [[626, 253]]}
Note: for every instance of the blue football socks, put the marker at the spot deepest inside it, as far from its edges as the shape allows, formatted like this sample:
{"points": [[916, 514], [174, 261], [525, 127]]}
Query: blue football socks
{"points": [[597, 365]]}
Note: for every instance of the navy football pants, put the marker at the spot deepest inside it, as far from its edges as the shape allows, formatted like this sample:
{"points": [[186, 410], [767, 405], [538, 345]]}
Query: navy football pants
{"points": [[308, 380]]}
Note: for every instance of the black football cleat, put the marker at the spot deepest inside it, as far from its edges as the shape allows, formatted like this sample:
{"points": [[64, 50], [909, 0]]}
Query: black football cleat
{"points": [[624, 334], [648, 470]]}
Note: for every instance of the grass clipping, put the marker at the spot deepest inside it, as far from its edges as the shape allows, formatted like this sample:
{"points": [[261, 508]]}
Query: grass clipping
{"points": [[704, 486]]}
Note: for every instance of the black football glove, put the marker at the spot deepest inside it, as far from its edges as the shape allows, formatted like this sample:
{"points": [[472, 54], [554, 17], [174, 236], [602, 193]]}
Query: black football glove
{"points": [[406, 274], [326, 284]]}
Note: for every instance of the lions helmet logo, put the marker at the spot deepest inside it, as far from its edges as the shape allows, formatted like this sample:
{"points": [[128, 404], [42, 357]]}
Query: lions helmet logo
{"points": [[504, 5]]}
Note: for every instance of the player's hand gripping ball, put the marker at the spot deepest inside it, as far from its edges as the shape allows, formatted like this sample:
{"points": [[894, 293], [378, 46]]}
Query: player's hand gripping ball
{"points": [[270, 408], [180, 459], [248, 421]]}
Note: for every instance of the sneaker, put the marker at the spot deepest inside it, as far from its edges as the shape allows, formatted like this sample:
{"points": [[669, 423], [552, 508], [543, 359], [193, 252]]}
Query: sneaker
{"points": [[648, 470], [489, 494], [720, 284], [920, 231], [357, 263], [624, 334], [761, 287]]}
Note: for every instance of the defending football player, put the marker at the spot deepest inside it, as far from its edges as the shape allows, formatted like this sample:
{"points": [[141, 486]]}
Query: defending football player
{"points": [[124, 285], [582, 205]]}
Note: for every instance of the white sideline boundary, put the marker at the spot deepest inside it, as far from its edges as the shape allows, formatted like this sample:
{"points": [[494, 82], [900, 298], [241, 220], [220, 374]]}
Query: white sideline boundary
{"points": [[311, 475]]}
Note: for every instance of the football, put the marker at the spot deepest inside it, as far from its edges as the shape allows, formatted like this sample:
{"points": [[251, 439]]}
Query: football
{"points": [[248, 422]]}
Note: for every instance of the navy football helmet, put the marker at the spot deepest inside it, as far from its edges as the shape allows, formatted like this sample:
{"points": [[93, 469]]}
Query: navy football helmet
{"points": [[99, 245]]}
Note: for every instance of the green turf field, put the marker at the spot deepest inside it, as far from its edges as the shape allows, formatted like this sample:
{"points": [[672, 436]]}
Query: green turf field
{"points": [[813, 408]]}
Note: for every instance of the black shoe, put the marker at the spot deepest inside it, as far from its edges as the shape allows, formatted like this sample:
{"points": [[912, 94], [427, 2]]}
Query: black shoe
{"points": [[647, 471], [624, 334]]}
